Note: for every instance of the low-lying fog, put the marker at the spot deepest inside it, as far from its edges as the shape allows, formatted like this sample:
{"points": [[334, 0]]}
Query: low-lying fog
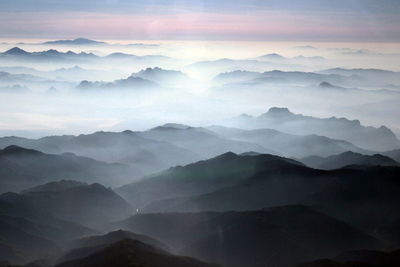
{"points": [[43, 93]]}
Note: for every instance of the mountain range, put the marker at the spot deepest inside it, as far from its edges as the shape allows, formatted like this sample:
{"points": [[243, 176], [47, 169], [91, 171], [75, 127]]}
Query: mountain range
{"points": [[133, 253], [96, 203], [77, 41], [126, 147], [266, 181], [348, 158], [281, 119], [290, 145], [22, 168], [252, 238]]}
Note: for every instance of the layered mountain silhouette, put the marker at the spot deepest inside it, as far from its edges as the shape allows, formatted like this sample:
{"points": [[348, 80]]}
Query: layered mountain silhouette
{"points": [[364, 196], [379, 139], [288, 144], [22, 168], [96, 203], [29, 233], [394, 154], [77, 41], [164, 77], [284, 77], [17, 54], [134, 253], [201, 177], [86, 246], [373, 76], [252, 238], [348, 158], [146, 155], [132, 82], [201, 140], [21, 55], [359, 258], [347, 78]]}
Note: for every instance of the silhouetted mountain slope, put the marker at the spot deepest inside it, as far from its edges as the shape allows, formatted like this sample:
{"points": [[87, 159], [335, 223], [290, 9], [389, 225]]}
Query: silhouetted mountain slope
{"points": [[390, 232], [86, 246], [96, 203], [133, 253], [280, 236], [143, 154], [116, 236], [23, 246], [281, 119], [359, 258], [28, 233], [366, 197], [394, 154], [200, 177], [348, 158], [21, 168], [288, 144], [201, 141]]}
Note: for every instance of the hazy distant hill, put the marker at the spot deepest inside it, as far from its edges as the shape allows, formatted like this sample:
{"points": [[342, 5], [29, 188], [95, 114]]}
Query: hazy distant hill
{"points": [[199, 178], [283, 77], [201, 140], [373, 76], [21, 168], [77, 41], [53, 56], [20, 55], [252, 238], [348, 158], [97, 204], [145, 155], [290, 145], [164, 77], [133, 253], [7, 78], [131, 83], [379, 139]]}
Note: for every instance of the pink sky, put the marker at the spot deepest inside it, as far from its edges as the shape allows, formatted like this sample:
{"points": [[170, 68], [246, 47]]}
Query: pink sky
{"points": [[263, 25]]}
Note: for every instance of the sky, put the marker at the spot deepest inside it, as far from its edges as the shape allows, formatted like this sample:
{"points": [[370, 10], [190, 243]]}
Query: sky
{"points": [[252, 20]]}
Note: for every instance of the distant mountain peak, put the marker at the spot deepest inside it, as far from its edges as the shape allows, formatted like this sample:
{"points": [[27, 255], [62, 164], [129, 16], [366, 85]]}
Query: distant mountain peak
{"points": [[325, 84], [278, 111], [77, 41], [17, 150], [273, 56], [15, 51], [175, 126]]}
